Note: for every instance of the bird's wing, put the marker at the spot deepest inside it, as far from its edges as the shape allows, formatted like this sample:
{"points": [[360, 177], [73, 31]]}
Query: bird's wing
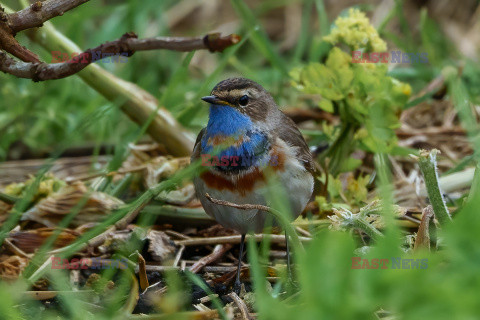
{"points": [[289, 133], [197, 149]]}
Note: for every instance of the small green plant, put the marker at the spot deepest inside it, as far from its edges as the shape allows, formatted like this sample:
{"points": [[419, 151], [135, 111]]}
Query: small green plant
{"points": [[48, 185], [350, 194], [368, 101]]}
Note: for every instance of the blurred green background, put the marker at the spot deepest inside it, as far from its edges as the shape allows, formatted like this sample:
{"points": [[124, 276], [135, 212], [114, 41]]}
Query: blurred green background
{"points": [[279, 35]]}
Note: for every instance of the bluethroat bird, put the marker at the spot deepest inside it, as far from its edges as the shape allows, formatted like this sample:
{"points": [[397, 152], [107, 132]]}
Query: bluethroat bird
{"points": [[249, 133]]}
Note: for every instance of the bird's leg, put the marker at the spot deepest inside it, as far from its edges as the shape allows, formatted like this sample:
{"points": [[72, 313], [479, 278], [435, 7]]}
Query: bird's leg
{"points": [[289, 264], [238, 284]]}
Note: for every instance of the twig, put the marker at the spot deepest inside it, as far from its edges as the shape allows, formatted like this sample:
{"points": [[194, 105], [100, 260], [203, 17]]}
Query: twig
{"points": [[127, 45], [207, 299], [39, 12], [241, 305], [178, 256], [176, 234], [11, 45], [303, 231], [214, 42], [218, 252], [213, 269], [274, 238], [152, 268], [277, 214], [221, 269], [238, 206]]}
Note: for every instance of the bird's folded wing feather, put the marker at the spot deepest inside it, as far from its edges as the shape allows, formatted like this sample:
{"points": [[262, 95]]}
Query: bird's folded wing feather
{"points": [[289, 133], [197, 149]]}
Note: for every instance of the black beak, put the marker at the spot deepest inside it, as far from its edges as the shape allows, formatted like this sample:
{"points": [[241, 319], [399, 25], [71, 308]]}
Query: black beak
{"points": [[214, 100]]}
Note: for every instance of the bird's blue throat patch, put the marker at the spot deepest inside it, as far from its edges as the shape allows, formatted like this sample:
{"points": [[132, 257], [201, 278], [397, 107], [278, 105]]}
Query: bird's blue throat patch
{"points": [[240, 138], [227, 121]]}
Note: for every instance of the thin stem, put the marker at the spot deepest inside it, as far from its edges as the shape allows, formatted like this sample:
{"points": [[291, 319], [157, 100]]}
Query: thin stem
{"points": [[118, 50], [344, 219], [8, 198], [366, 227], [428, 165], [277, 214]]}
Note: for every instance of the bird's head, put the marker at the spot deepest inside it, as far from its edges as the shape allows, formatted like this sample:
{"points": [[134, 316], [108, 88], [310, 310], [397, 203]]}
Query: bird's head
{"points": [[241, 96]]}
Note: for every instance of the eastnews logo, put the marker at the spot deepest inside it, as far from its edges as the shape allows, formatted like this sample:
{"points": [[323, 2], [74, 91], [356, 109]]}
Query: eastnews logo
{"points": [[392, 57], [58, 56], [88, 263], [235, 161], [393, 263]]}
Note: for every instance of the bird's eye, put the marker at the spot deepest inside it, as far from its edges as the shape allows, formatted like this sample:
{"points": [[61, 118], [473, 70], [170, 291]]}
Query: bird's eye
{"points": [[243, 100]]}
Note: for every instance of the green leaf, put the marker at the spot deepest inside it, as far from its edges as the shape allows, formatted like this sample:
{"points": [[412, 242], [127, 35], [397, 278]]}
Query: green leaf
{"points": [[318, 79], [339, 62], [326, 105], [350, 164]]}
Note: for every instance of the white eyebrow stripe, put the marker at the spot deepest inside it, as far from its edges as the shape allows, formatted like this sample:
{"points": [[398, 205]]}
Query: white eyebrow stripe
{"points": [[237, 93], [252, 92]]}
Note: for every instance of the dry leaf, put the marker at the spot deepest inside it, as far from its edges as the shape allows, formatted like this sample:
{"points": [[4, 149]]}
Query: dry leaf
{"points": [[30, 240], [52, 210], [422, 239], [160, 246], [157, 168]]}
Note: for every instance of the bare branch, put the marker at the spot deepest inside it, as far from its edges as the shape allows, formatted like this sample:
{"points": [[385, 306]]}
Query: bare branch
{"points": [[238, 206], [213, 42], [241, 306], [39, 12], [126, 45], [274, 238], [11, 45], [218, 252]]}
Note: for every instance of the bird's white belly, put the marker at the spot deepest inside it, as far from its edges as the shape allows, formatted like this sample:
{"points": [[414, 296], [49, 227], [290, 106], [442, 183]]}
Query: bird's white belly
{"points": [[297, 184]]}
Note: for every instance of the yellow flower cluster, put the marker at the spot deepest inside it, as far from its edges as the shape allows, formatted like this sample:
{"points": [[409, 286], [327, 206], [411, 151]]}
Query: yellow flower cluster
{"points": [[356, 31], [47, 186]]}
